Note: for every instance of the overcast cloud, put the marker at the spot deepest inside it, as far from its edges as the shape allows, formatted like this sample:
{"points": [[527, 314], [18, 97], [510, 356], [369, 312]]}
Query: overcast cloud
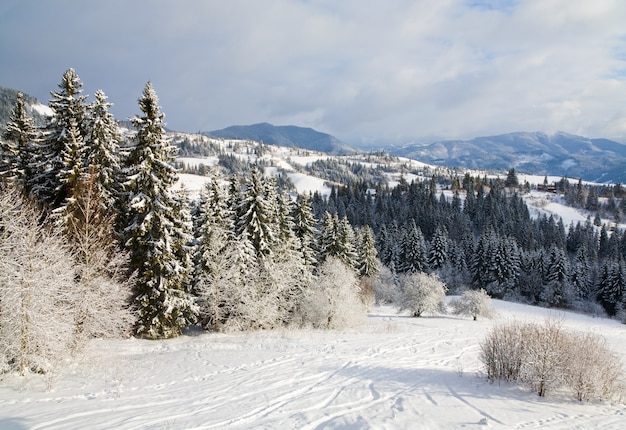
{"points": [[361, 70]]}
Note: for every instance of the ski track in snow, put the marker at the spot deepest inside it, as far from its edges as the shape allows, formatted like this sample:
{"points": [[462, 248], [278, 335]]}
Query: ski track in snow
{"points": [[394, 372]]}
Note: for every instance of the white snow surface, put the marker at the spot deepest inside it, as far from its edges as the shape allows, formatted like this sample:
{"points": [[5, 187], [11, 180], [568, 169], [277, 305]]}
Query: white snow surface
{"points": [[395, 372], [42, 109]]}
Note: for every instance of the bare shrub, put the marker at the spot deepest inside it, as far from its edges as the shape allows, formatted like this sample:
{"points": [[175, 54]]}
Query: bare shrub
{"points": [[546, 358], [593, 370], [544, 366], [474, 303], [503, 352]]}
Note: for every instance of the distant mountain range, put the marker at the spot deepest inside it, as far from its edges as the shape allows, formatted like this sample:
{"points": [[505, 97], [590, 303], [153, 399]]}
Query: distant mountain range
{"points": [[559, 154], [286, 135]]}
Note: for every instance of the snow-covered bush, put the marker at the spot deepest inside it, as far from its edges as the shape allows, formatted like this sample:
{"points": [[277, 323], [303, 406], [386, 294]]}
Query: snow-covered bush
{"points": [[385, 287], [474, 303], [333, 300], [546, 358], [420, 293]]}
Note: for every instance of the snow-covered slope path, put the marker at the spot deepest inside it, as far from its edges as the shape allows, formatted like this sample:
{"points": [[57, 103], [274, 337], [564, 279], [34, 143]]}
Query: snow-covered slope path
{"points": [[395, 372]]}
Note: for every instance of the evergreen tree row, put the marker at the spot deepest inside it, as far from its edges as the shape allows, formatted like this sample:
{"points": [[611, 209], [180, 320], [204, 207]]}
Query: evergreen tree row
{"points": [[482, 236]]}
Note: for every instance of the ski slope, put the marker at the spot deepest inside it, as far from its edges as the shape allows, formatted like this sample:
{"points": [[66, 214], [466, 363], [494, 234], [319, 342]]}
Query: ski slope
{"points": [[394, 372]]}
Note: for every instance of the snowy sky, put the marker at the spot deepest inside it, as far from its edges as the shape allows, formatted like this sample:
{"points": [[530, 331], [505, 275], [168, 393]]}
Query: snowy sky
{"points": [[360, 70]]}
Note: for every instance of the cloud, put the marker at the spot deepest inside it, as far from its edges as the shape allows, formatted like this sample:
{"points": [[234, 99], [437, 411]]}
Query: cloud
{"points": [[451, 68]]}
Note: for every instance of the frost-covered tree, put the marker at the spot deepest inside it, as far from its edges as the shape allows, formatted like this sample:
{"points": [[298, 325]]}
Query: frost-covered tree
{"points": [[421, 293], [18, 145], [215, 230], [37, 291], [231, 301], [154, 235], [287, 273], [474, 303], [104, 288], [333, 300]]}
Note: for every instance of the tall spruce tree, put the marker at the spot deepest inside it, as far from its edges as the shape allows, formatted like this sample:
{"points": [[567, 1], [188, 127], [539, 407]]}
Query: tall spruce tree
{"points": [[154, 233], [305, 226], [18, 146], [103, 148], [256, 214], [368, 263], [64, 129], [414, 250]]}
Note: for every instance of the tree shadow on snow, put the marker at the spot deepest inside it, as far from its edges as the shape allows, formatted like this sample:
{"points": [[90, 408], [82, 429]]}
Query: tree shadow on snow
{"points": [[8, 423]]}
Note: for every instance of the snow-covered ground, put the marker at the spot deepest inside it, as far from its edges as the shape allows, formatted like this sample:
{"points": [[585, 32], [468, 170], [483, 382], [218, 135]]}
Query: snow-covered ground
{"points": [[394, 372]]}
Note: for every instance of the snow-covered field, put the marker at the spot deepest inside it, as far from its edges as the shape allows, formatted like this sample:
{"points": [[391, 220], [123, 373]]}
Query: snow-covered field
{"points": [[394, 372]]}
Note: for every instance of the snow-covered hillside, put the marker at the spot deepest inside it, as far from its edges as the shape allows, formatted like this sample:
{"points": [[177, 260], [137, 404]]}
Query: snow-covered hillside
{"points": [[395, 372]]}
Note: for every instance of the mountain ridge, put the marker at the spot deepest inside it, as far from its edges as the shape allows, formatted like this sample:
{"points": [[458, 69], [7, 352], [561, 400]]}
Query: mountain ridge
{"points": [[560, 154], [285, 135]]}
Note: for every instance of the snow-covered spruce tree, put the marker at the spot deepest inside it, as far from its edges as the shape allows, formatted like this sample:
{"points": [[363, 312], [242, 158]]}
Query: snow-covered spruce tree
{"points": [[256, 214], [438, 253], [70, 112], [421, 293], [347, 244], [612, 288], [368, 263], [73, 168], [152, 228], [18, 145], [414, 250], [558, 290], [103, 148], [305, 227], [337, 239], [332, 301], [327, 241], [474, 303], [37, 291], [581, 277]]}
